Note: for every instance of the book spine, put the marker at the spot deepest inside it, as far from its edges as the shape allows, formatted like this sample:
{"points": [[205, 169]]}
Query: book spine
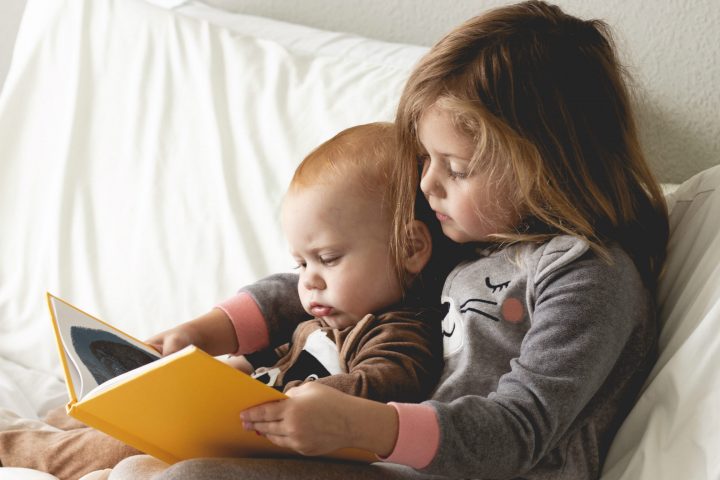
{"points": [[77, 411]]}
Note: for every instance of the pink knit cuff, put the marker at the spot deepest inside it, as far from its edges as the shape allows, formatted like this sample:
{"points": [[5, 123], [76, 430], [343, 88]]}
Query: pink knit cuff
{"points": [[418, 435], [248, 321]]}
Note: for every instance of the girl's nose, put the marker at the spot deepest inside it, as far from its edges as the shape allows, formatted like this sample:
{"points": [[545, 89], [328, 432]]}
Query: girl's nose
{"points": [[430, 181]]}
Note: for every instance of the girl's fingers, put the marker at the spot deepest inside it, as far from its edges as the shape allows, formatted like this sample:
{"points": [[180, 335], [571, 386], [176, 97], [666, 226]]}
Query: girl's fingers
{"points": [[280, 441], [267, 429], [267, 412]]}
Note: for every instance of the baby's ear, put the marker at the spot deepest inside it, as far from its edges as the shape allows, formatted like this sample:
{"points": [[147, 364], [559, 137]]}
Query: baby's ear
{"points": [[419, 247]]}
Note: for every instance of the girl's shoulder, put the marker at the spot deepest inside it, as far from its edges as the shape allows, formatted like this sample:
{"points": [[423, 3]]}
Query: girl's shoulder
{"points": [[571, 259], [539, 260], [553, 255], [530, 271]]}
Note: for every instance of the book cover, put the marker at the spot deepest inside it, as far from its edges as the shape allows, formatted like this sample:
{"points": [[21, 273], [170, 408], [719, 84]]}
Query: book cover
{"points": [[185, 405]]}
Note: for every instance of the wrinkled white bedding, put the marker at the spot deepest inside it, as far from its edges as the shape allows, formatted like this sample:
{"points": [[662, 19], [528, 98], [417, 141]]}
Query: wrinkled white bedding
{"points": [[143, 155], [29, 392]]}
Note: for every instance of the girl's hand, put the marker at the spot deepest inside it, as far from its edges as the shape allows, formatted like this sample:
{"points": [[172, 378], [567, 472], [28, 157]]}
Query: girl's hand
{"points": [[172, 340], [318, 419], [240, 362], [211, 332]]}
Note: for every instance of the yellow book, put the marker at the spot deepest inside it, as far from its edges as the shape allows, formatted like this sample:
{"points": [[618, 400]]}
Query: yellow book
{"points": [[185, 405]]}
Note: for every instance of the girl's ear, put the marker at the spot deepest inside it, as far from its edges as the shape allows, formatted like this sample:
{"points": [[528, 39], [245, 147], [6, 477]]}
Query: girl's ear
{"points": [[419, 247]]}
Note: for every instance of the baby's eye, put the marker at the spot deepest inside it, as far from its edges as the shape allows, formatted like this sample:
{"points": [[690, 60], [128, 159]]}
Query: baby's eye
{"points": [[300, 265], [329, 261]]}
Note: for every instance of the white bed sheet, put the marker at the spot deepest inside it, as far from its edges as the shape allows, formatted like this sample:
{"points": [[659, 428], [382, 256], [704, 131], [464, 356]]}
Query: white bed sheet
{"points": [[30, 393], [144, 152]]}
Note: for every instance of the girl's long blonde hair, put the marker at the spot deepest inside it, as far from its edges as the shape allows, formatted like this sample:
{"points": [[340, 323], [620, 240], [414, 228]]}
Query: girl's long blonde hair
{"points": [[543, 96]]}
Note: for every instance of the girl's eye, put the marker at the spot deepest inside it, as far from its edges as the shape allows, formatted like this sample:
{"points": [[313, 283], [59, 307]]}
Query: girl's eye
{"points": [[456, 171], [456, 175], [300, 265]]}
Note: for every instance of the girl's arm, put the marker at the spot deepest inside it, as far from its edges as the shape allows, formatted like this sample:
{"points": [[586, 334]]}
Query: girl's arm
{"points": [[212, 332], [261, 314], [579, 367], [278, 304], [318, 419]]}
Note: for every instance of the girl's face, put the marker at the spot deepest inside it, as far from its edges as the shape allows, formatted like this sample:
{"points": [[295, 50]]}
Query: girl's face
{"points": [[470, 207]]}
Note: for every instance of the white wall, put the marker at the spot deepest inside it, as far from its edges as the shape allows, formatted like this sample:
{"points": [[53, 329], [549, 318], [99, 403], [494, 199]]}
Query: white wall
{"points": [[671, 49], [10, 14]]}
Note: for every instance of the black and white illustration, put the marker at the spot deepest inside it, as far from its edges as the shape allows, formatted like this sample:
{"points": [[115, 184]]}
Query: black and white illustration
{"points": [[105, 354], [96, 352]]}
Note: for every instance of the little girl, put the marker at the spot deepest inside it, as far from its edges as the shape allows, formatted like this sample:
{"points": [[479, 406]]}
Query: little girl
{"points": [[522, 124]]}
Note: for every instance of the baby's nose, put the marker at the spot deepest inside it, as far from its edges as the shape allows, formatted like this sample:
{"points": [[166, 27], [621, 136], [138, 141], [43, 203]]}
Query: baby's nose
{"points": [[312, 281]]}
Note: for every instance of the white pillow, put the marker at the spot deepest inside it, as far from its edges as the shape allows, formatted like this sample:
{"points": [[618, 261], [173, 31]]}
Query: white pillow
{"points": [[674, 429]]}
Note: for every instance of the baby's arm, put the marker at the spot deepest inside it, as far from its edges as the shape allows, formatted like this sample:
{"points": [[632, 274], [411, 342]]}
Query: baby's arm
{"points": [[394, 357]]}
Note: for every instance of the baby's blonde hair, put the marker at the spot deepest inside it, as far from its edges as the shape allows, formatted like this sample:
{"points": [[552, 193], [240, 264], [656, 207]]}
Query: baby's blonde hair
{"points": [[366, 154], [542, 95]]}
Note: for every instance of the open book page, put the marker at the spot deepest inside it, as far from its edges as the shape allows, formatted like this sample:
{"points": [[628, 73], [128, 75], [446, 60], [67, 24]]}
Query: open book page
{"points": [[95, 352], [134, 373]]}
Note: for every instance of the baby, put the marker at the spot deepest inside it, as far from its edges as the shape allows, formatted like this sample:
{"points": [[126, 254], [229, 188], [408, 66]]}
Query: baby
{"points": [[366, 338]]}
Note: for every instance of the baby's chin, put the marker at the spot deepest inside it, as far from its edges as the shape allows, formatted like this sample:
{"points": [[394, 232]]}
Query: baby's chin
{"points": [[340, 321], [333, 317]]}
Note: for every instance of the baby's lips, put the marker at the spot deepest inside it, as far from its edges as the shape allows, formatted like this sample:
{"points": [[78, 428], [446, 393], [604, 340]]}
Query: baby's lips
{"points": [[320, 310]]}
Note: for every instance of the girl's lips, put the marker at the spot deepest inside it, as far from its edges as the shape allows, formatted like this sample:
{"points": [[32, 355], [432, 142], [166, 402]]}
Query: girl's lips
{"points": [[441, 216], [320, 310]]}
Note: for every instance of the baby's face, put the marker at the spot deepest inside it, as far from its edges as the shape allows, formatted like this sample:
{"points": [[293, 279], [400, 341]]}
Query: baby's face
{"points": [[340, 239]]}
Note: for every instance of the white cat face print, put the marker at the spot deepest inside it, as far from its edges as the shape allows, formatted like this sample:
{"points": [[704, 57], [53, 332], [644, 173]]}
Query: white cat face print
{"points": [[494, 303]]}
